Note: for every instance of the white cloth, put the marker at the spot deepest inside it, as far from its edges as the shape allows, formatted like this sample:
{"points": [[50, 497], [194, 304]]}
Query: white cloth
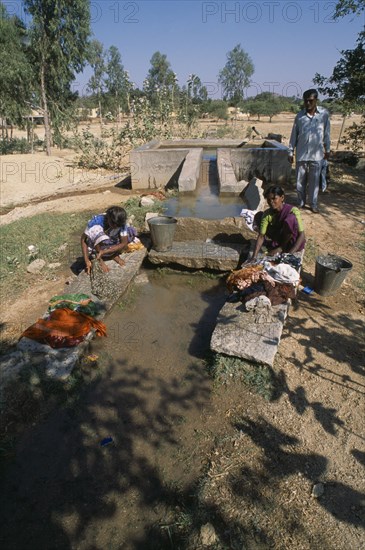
{"points": [[282, 273], [248, 216]]}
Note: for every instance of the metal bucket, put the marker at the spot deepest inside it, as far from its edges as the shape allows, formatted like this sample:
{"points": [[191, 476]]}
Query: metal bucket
{"points": [[162, 232], [330, 273]]}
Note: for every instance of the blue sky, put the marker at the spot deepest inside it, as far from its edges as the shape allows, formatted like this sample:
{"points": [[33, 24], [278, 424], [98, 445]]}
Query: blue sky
{"points": [[288, 41]]}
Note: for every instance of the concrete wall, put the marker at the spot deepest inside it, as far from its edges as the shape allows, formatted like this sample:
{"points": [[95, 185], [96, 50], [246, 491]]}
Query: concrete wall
{"points": [[152, 168], [227, 179], [269, 163]]}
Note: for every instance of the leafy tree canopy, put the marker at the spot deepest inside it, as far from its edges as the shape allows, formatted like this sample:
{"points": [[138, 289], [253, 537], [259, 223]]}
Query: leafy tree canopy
{"points": [[347, 82], [235, 76], [160, 73], [15, 69], [59, 33], [345, 7]]}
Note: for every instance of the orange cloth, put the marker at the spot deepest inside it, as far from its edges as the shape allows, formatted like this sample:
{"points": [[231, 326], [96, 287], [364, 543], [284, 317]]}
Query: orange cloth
{"points": [[64, 324]]}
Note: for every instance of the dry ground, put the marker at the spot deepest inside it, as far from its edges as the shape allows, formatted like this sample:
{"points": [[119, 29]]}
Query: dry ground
{"points": [[244, 465]]}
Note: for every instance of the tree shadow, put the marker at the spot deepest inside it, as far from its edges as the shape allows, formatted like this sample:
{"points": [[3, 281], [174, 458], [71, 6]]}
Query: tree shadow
{"points": [[63, 482], [323, 335], [340, 500]]}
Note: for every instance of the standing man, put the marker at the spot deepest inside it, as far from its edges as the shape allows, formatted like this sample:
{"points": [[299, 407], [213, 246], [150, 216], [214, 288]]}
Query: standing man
{"points": [[310, 137]]}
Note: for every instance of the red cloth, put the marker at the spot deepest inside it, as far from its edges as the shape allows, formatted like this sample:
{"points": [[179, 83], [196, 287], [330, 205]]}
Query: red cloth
{"points": [[64, 328]]}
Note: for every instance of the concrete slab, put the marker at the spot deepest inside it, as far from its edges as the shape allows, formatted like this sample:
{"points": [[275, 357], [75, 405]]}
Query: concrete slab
{"points": [[237, 334], [120, 277], [189, 174], [202, 255]]}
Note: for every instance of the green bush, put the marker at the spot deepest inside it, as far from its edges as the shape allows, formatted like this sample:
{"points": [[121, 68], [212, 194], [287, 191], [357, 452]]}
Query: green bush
{"points": [[15, 145]]}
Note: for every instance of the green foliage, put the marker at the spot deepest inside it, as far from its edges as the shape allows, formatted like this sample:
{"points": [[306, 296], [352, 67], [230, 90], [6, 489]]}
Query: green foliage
{"points": [[346, 7], [15, 145], [354, 138], [15, 69], [96, 58], [160, 77], [195, 89], [347, 82], [216, 108], [236, 74], [117, 82], [268, 104], [148, 122], [59, 33]]}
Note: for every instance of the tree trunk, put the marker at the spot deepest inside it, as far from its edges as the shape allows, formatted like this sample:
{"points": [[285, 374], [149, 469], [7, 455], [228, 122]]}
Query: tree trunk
{"points": [[341, 131], [118, 111], [100, 115], [47, 125]]}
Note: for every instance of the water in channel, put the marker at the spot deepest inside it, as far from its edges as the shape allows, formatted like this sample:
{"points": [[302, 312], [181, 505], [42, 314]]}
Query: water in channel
{"points": [[205, 202]]}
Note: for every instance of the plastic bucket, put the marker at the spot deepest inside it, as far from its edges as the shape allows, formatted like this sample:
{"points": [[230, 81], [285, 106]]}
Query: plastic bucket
{"points": [[330, 273], [162, 232]]}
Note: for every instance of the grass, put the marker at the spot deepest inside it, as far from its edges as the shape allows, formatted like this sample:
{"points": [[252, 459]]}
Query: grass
{"points": [[129, 299], [47, 232], [139, 212], [226, 370]]}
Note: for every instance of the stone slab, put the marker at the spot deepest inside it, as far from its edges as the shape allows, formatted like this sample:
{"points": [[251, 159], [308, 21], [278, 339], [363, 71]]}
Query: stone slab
{"points": [[120, 277], [202, 255], [237, 334], [59, 363], [233, 229], [253, 195]]}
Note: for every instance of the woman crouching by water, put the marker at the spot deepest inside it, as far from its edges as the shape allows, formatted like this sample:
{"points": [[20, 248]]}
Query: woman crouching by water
{"points": [[280, 226]]}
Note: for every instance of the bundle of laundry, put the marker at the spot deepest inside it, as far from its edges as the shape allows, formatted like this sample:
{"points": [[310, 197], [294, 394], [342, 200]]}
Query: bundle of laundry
{"points": [[287, 258], [64, 328], [277, 282], [76, 302]]}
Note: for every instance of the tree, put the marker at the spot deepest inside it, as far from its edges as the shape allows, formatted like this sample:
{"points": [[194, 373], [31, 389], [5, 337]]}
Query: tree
{"points": [[160, 75], [196, 91], [346, 85], [117, 80], [347, 81], [15, 70], [235, 76], [59, 33], [96, 57], [345, 7]]}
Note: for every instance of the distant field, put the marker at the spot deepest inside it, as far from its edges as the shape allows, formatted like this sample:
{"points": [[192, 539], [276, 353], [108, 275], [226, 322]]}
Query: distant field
{"points": [[281, 124]]}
